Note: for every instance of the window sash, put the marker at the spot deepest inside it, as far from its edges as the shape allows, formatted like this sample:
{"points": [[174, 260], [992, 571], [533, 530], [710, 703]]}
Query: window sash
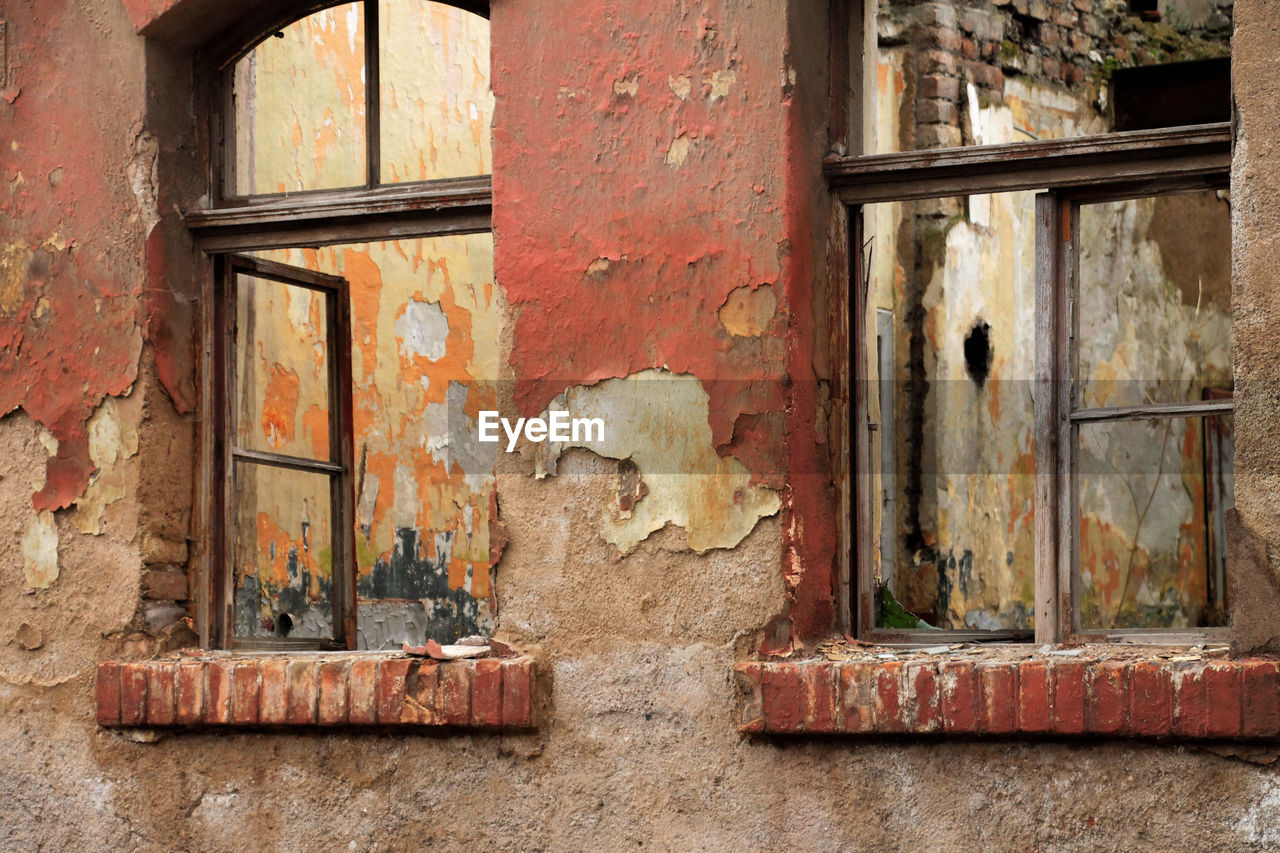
{"points": [[222, 125], [1070, 172], [227, 454], [1070, 418]]}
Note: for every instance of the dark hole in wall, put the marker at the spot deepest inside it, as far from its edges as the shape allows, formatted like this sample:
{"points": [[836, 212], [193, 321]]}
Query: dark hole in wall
{"points": [[977, 352], [1172, 95], [1147, 10], [284, 624]]}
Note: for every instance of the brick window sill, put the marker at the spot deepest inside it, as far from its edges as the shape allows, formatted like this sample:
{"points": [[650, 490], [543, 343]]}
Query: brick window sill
{"points": [[296, 690], [1140, 698]]}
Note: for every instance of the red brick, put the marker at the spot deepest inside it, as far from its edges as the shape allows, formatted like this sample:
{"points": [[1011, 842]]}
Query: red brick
{"points": [[1034, 697], [1069, 697], [273, 696], [923, 679], [1222, 700], [133, 694], [164, 585], [245, 693], [820, 695], [391, 689], [217, 704], [1109, 702], [960, 695], [486, 693], [362, 681], [190, 693], [949, 40], [935, 111], [1189, 711], [985, 75], [107, 693], [160, 698], [934, 86], [331, 704], [998, 704], [890, 707], [454, 695], [937, 62], [1261, 699], [783, 695], [517, 693], [422, 694], [1151, 690], [303, 692], [857, 684]]}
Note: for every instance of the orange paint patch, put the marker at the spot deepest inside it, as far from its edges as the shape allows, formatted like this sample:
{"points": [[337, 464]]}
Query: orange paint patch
{"points": [[279, 406], [315, 423], [366, 300]]}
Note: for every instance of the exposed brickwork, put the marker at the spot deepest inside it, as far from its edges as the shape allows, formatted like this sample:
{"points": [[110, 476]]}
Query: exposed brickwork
{"points": [[1071, 45], [490, 693], [1146, 698]]}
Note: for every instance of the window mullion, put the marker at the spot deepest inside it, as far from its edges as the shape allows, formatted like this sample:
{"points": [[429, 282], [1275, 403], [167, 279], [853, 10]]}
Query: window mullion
{"points": [[372, 97], [1047, 386]]}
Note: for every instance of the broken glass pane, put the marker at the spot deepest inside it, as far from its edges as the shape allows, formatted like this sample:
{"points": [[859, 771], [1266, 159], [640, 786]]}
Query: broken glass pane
{"points": [[1154, 301], [282, 553], [300, 106], [435, 99], [951, 362], [1152, 498], [281, 369]]}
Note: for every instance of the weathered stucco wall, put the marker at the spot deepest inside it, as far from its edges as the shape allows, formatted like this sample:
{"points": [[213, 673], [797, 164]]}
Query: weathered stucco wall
{"points": [[637, 744]]}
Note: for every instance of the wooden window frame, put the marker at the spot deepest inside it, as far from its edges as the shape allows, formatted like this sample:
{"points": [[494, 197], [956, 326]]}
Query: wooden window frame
{"points": [[339, 467], [225, 226], [1067, 173], [219, 65]]}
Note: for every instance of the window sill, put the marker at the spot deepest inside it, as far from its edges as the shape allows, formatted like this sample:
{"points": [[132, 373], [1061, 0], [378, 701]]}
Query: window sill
{"points": [[1107, 696], [339, 689]]}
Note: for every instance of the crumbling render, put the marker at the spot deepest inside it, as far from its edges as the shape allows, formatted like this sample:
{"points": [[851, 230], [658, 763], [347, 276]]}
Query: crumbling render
{"points": [[656, 422]]}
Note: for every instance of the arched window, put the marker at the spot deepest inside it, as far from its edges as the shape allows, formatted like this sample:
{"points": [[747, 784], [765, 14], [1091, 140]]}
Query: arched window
{"points": [[351, 328]]}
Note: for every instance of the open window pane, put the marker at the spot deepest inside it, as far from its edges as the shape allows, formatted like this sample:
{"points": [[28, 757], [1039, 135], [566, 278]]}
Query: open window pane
{"points": [[988, 74], [425, 318], [300, 106], [282, 368], [1154, 300], [282, 553], [436, 104], [950, 332], [1152, 498]]}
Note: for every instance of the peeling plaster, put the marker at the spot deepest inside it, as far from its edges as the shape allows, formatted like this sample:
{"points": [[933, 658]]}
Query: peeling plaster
{"points": [[422, 330], [720, 83], [40, 551], [112, 440], [143, 178], [657, 422], [678, 151], [747, 311]]}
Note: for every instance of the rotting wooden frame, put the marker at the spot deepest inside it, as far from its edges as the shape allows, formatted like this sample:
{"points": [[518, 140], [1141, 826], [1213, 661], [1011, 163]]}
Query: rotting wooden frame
{"points": [[230, 224], [339, 467], [1069, 172]]}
